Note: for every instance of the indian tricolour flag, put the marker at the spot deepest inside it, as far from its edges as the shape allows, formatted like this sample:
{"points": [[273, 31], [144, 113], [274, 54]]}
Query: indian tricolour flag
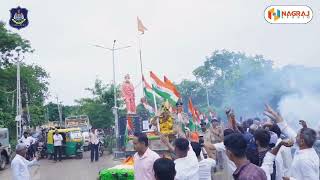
{"points": [[163, 90], [172, 87], [148, 91]]}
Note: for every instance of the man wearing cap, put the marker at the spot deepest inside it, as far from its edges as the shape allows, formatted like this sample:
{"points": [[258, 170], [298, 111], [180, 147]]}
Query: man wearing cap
{"points": [[20, 166], [216, 131], [206, 133], [181, 119], [180, 116]]}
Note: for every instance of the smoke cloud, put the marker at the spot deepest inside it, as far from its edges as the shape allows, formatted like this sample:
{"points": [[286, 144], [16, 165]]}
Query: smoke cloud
{"points": [[303, 99]]}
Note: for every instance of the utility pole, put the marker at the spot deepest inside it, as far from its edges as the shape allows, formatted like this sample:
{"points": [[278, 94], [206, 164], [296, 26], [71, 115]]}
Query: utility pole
{"points": [[115, 108], [28, 112], [19, 103], [46, 114], [59, 111]]}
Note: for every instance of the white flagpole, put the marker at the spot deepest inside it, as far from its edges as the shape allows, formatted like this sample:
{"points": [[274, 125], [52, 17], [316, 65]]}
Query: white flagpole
{"points": [[155, 102], [141, 69], [140, 57]]}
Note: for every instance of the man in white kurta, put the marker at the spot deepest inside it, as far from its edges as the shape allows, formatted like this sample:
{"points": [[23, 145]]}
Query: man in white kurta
{"points": [[305, 164], [20, 166]]}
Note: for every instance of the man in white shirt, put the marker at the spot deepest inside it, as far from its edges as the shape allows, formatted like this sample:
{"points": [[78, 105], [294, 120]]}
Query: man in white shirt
{"points": [[94, 145], [305, 164], [205, 164], [283, 159], [19, 165], [186, 163], [26, 139], [57, 142]]}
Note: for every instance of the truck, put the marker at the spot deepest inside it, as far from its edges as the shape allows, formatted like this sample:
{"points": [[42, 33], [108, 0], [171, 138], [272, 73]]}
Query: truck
{"points": [[83, 123], [5, 148]]}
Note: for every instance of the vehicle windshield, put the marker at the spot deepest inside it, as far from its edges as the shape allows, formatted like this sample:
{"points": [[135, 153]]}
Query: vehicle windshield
{"points": [[3, 135], [84, 129], [75, 135]]}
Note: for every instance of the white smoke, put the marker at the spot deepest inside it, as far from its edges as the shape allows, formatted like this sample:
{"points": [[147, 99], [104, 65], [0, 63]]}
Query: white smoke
{"points": [[301, 106]]}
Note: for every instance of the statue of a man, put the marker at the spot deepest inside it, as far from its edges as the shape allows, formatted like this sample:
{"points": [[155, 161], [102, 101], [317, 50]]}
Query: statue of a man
{"points": [[127, 91]]}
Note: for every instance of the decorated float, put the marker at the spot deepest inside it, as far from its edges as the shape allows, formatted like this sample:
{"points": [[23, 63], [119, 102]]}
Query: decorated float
{"points": [[163, 123], [166, 121]]}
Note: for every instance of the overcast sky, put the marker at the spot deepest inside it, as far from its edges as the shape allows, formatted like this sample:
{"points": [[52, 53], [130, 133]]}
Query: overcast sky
{"points": [[181, 34]]}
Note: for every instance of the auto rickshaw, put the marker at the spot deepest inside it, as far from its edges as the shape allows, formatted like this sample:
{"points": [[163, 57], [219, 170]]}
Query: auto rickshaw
{"points": [[72, 144]]}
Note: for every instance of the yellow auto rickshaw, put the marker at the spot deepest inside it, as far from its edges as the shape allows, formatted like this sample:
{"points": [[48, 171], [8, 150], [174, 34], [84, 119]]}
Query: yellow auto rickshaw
{"points": [[72, 144]]}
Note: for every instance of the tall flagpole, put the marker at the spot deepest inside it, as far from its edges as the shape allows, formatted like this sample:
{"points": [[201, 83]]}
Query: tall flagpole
{"points": [[141, 28], [140, 57], [141, 68]]}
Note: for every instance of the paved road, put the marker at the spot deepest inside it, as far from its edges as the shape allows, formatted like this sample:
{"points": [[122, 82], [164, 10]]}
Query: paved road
{"points": [[68, 169]]}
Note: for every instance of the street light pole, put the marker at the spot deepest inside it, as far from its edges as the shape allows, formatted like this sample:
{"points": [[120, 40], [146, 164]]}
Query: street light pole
{"points": [[19, 103], [115, 108], [59, 111], [28, 111]]}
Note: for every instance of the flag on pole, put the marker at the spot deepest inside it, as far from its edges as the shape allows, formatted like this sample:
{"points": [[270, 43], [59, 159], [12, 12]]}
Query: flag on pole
{"points": [[148, 91], [141, 27], [163, 90], [147, 88], [197, 115], [192, 125], [171, 86], [192, 110]]}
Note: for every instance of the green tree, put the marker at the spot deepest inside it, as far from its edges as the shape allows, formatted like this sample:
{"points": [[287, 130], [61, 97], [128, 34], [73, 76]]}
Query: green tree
{"points": [[233, 79], [34, 82], [193, 90], [52, 111], [37, 115], [99, 108], [10, 44]]}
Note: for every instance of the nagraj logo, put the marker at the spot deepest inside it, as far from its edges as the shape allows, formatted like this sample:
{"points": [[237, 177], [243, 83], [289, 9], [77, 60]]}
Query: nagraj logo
{"points": [[274, 14], [18, 17], [288, 14]]}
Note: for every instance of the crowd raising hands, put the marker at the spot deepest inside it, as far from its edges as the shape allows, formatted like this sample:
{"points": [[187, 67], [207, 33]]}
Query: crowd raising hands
{"points": [[246, 150]]}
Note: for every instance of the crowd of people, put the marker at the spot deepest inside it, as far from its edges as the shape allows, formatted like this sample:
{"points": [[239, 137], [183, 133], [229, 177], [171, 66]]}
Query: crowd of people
{"points": [[27, 155], [240, 150]]}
